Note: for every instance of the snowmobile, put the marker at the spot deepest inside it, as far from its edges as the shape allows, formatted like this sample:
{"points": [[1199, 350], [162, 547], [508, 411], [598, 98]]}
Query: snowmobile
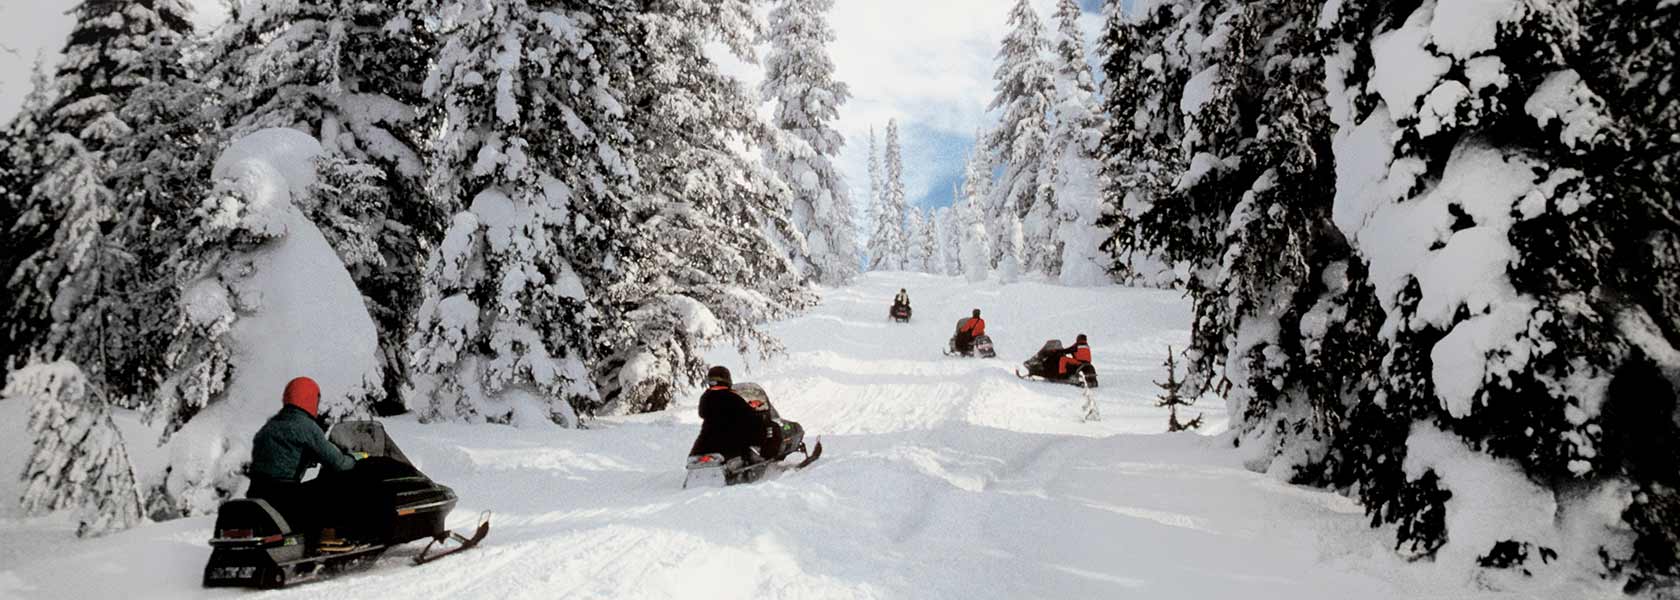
{"points": [[1043, 366], [981, 346], [781, 438], [254, 546], [899, 312]]}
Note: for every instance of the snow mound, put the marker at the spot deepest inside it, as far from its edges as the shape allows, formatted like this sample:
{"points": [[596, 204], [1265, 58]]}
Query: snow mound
{"points": [[299, 314]]}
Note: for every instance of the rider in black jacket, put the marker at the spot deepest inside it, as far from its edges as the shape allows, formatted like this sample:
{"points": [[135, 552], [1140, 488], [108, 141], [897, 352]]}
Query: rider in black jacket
{"points": [[728, 425]]}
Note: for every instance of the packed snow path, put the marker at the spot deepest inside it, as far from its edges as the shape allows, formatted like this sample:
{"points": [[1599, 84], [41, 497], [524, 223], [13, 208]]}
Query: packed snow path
{"points": [[942, 478]]}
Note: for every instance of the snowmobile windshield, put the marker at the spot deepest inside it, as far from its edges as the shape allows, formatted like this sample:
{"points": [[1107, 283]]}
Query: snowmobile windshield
{"points": [[753, 393]]}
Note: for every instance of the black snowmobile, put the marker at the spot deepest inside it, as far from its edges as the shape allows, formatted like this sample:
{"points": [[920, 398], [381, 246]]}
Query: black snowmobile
{"points": [[899, 312], [254, 546], [980, 346], [781, 438], [1043, 366]]}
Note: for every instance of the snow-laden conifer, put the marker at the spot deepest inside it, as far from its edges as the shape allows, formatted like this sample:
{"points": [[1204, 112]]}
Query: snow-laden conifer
{"points": [[799, 79]]}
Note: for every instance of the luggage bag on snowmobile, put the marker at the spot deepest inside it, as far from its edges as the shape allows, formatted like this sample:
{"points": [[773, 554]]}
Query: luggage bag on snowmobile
{"points": [[254, 545]]}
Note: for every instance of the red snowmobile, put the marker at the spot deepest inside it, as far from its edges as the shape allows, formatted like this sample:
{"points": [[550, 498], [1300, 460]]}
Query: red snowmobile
{"points": [[254, 546]]}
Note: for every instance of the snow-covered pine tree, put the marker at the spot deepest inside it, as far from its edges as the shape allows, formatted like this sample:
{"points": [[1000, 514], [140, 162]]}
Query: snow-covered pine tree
{"points": [[1011, 266], [1025, 92], [1139, 147], [1630, 62], [349, 73], [78, 461], [888, 246], [949, 236], [918, 252], [20, 168], [93, 278], [712, 249], [975, 250], [875, 247], [1071, 166], [799, 79], [1283, 319], [1499, 167], [536, 146]]}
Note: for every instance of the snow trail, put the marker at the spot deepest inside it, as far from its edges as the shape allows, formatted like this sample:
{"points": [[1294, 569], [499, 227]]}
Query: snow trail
{"points": [[942, 478]]}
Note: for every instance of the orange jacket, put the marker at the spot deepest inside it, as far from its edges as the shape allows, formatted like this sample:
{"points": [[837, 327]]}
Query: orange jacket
{"points": [[975, 327], [1080, 352]]}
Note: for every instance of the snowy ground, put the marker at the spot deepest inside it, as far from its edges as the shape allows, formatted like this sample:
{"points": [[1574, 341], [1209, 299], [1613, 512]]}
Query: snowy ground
{"points": [[942, 478]]}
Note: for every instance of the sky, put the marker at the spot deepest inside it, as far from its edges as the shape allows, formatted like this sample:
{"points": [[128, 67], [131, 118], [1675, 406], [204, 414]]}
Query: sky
{"points": [[929, 64], [926, 63]]}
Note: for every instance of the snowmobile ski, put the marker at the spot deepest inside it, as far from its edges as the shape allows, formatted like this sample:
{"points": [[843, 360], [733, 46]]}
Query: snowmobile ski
{"points": [[810, 457], [462, 542]]}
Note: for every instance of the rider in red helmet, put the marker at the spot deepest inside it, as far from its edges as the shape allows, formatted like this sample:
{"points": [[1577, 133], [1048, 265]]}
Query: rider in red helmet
{"points": [[286, 447]]}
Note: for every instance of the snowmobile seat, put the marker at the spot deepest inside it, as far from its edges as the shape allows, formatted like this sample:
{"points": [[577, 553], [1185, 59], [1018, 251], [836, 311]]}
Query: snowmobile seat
{"points": [[247, 522]]}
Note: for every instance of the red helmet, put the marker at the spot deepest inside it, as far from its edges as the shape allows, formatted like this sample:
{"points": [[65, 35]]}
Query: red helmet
{"points": [[303, 393]]}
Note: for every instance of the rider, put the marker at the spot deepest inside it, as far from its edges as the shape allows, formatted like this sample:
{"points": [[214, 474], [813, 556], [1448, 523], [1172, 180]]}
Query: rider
{"points": [[902, 299], [286, 447], [728, 425], [970, 329], [1074, 357]]}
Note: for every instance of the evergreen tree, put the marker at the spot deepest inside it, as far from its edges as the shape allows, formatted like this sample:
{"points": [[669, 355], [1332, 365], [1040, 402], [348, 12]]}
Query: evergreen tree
{"points": [[975, 254], [1507, 326], [888, 246], [919, 252], [948, 237], [1433, 308], [975, 248], [1172, 399], [350, 74], [71, 297], [799, 78], [1071, 164], [1025, 95], [1138, 151], [78, 461], [20, 168], [537, 148], [1012, 249], [713, 244]]}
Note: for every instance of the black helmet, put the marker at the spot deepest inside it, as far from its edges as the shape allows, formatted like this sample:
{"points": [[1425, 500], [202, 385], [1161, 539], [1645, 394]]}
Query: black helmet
{"points": [[719, 375], [900, 290], [1081, 338], [976, 312]]}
